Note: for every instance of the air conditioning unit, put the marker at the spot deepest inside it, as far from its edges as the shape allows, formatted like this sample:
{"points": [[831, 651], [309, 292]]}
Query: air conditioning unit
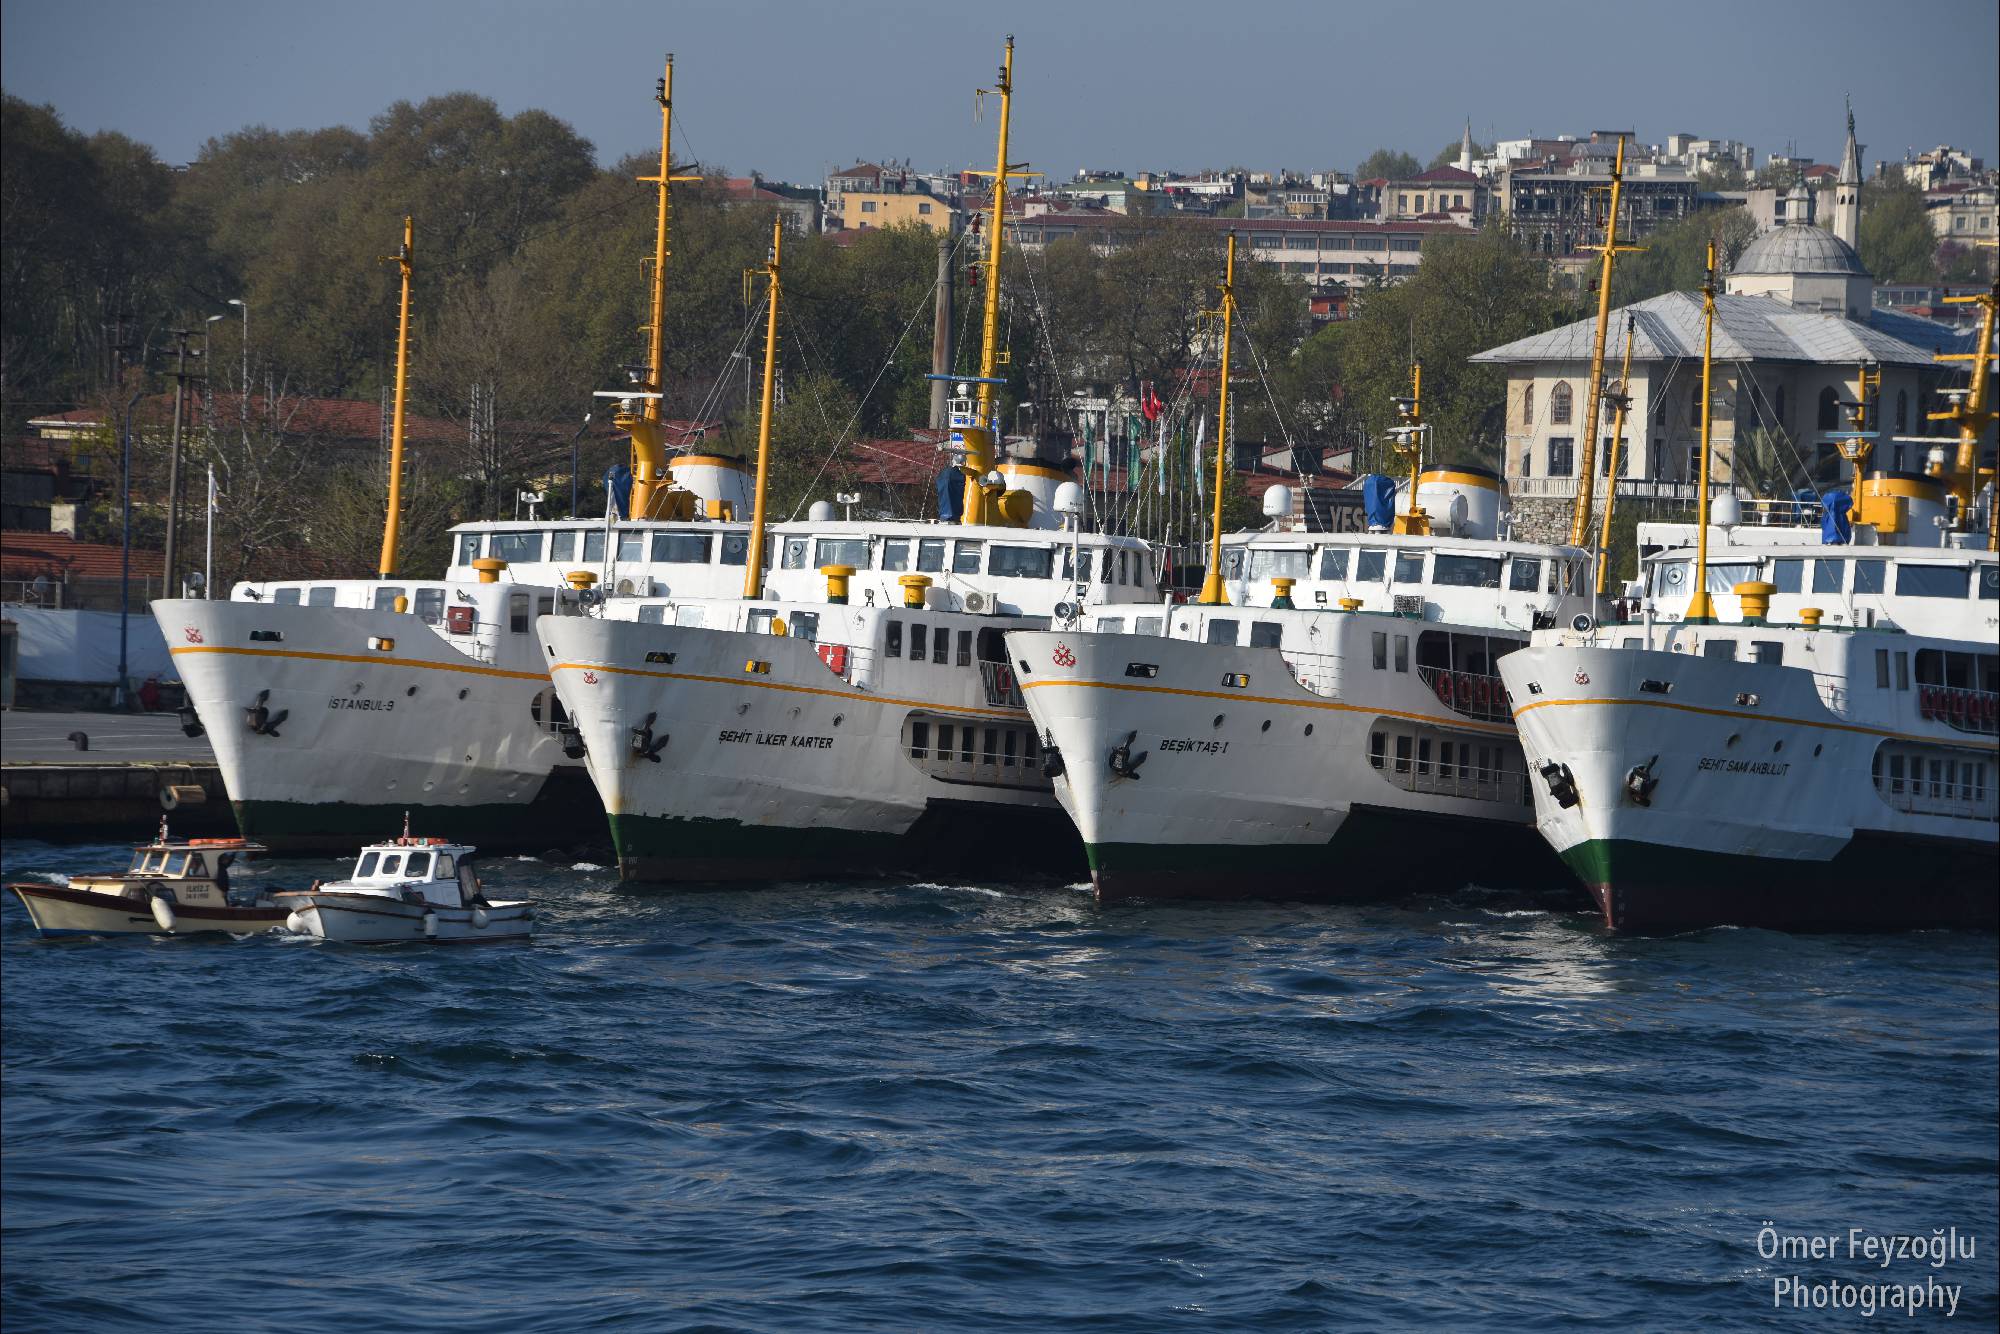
{"points": [[1409, 604], [637, 586], [978, 603]]}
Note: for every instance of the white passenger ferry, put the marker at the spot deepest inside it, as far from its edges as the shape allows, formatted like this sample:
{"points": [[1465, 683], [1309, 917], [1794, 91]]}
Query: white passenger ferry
{"points": [[1816, 747], [1336, 730]]}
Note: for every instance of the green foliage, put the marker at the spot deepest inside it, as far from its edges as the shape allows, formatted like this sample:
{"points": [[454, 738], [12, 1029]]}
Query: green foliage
{"points": [[1471, 293], [1390, 165], [1896, 241], [1676, 255]]}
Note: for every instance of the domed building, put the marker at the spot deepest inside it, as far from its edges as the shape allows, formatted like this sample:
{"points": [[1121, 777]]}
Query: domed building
{"points": [[1794, 327]]}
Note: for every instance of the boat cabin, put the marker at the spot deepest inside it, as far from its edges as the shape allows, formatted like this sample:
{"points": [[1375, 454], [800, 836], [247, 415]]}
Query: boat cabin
{"points": [[195, 867], [427, 869]]}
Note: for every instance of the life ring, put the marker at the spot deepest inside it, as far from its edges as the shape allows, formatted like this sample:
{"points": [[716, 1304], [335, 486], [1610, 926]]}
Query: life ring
{"points": [[1443, 686]]}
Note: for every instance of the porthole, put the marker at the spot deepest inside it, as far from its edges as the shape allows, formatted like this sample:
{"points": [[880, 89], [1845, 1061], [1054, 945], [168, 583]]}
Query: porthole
{"points": [[1816, 751], [1777, 746], [1217, 722], [1734, 737], [1266, 727], [463, 693], [411, 691], [1309, 729], [837, 718]]}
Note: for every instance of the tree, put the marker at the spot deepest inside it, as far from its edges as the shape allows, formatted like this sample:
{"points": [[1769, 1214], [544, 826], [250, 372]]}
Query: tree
{"points": [[1675, 256], [1389, 165], [1471, 293], [1896, 242]]}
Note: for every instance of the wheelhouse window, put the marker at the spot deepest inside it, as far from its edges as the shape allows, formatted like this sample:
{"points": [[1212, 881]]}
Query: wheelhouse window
{"points": [[1869, 576], [468, 548], [321, 596], [1221, 630], [1788, 576], [930, 555], [919, 641], [852, 551], [1267, 563], [385, 598], [562, 544], [517, 548], [1933, 581], [1021, 562], [735, 548], [965, 557], [893, 644], [1078, 571], [593, 544], [1370, 566], [681, 548], [366, 866], [896, 554], [1409, 567], [1232, 564], [1829, 576], [430, 605], [804, 625], [520, 612], [1465, 571], [653, 613], [795, 551], [1526, 576], [1333, 563], [631, 545], [1266, 634]]}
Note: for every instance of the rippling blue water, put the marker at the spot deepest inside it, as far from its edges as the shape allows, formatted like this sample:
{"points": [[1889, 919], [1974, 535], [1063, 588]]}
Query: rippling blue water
{"points": [[922, 1106]]}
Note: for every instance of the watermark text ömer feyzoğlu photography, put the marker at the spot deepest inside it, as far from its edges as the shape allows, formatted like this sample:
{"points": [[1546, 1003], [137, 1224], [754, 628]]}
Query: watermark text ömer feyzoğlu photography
{"points": [[1899, 1291]]}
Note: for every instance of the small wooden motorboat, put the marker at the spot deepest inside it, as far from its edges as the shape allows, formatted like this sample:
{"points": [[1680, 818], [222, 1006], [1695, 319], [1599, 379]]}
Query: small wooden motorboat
{"points": [[174, 887], [407, 889]]}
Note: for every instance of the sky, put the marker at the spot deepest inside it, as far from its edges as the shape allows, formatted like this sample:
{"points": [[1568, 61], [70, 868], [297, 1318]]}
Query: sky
{"points": [[795, 89]]}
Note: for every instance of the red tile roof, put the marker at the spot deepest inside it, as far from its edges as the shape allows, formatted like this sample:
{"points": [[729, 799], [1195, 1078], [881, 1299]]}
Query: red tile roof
{"points": [[332, 418], [25, 555]]}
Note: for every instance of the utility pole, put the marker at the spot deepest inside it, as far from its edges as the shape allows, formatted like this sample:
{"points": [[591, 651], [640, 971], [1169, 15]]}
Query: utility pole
{"points": [[169, 584], [941, 350]]}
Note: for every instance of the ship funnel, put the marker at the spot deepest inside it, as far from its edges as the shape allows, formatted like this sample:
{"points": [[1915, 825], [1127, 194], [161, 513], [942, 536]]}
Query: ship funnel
{"points": [[1470, 496], [720, 486]]}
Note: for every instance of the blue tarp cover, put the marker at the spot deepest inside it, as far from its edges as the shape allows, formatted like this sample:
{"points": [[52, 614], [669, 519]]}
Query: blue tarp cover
{"points": [[950, 495], [618, 490], [1378, 497], [1834, 530]]}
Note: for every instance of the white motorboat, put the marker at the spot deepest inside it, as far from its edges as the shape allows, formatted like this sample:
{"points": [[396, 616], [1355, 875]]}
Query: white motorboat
{"points": [[407, 889], [174, 887]]}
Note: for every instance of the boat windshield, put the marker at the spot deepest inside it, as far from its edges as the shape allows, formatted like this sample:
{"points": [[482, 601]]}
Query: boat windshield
{"points": [[174, 864], [419, 865], [365, 867], [392, 863]]}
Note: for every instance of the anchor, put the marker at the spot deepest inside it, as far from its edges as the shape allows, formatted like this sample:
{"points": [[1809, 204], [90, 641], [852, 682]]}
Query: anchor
{"points": [[261, 720], [1562, 783], [1640, 782], [1052, 760], [572, 740], [190, 721], [1123, 765], [644, 746]]}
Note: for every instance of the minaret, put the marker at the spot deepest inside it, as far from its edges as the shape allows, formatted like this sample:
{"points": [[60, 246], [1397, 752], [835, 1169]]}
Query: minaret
{"points": [[1465, 149], [1847, 190]]}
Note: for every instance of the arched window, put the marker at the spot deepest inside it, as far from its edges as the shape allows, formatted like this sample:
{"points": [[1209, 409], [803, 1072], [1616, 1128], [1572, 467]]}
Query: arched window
{"points": [[1559, 403], [1829, 409], [1528, 405], [1781, 405], [1902, 410]]}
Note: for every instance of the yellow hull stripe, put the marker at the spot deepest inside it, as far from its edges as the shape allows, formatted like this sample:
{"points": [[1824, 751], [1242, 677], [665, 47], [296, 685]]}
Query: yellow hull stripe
{"points": [[1858, 728], [857, 696], [377, 659], [1331, 705]]}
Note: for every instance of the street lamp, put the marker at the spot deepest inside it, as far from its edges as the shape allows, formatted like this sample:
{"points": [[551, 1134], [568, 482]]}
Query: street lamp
{"points": [[244, 395]]}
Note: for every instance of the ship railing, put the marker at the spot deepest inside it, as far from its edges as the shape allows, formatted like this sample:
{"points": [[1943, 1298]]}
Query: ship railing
{"points": [[1832, 693], [1961, 709], [1003, 689], [481, 643], [1469, 694], [852, 663], [1317, 672], [1472, 782], [1917, 797]]}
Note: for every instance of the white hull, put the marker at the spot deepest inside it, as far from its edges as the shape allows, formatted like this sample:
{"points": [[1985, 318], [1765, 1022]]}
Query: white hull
{"points": [[1771, 801], [58, 911], [422, 725], [1267, 788], [377, 919], [791, 768]]}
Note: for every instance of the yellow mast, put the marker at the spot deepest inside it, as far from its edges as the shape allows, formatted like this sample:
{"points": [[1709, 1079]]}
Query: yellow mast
{"points": [[390, 529], [981, 440], [1409, 442], [1699, 606], [646, 427], [1973, 416], [1579, 524], [753, 566], [1212, 593], [1623, 400]]}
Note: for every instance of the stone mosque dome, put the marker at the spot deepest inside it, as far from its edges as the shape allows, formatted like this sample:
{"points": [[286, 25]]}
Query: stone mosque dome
{"points": [[1799, 248]]}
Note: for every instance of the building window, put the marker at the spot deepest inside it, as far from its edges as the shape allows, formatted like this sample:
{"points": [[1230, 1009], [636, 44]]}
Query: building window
{"points": [[923, 208], [1902, 410], [1562, 455], [1528, 405], [1781, 405], [1559, 403], [1829, 409]]}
